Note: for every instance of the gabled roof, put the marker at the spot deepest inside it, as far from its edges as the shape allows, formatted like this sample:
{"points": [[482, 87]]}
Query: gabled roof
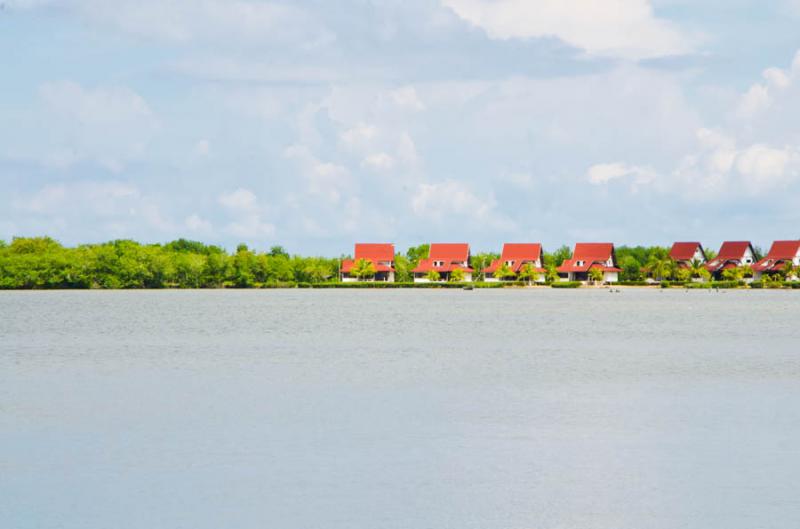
{"points": [[591, 255], [519, 253], [730, 253], [684, 251], [376, 252], [451, 254], [449, 251], [779, 253]]}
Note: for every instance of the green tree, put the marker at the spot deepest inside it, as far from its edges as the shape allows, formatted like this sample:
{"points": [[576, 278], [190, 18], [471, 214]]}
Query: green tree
{"points": [[480, 261], [504, 272], [457, 276], [733, 274], [528, 273], [558, 257], [551, 276], [415, 253], [432, 276], [631, 269], [402, 269], [278, 251], [595, 274], [363, 269]]}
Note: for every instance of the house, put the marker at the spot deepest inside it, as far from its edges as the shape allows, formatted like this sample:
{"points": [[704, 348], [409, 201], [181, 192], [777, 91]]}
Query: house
{"points": [[684, 253], [779, 254], [444, 258], [589, 255], [380, 255], [515, 256], [732, 254]]}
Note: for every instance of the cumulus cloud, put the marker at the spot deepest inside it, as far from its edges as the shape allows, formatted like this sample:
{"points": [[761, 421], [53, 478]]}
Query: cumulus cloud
{"points": [[247, 215], [605, 172], [442, 200], [761, 96], [325, 179], [613, 28]]}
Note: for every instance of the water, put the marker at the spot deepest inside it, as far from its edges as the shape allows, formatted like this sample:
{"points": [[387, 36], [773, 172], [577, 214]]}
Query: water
{"points": [[399, 409]]}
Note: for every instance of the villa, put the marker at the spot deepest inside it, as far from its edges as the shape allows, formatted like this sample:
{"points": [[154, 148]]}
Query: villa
{"points": [[587, 256], [732, 254], [444, 258], [779, 254], [515, 256], [380, 255], [684, 253]]}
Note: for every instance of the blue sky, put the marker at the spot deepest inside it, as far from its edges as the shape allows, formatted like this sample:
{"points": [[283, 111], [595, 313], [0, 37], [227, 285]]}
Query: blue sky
{"points": [[313, 124]]}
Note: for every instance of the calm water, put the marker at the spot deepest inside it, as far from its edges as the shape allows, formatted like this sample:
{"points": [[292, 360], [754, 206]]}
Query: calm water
{"points": [[402, 409]]}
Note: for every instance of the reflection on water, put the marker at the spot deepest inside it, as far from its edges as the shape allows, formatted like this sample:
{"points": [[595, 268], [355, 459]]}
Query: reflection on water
{"points": [[399, 409]]}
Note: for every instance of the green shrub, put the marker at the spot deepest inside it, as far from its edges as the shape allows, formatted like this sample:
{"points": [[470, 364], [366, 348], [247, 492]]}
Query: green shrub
{"points": [[566, 284], [757, 284]]}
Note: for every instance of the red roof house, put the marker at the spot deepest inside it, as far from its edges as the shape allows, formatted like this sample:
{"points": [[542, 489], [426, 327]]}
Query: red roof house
{"points": [[588, 255], [380, 255], [780, 253], [515, 256], [732, 254], [444, 258], [683, 253]]}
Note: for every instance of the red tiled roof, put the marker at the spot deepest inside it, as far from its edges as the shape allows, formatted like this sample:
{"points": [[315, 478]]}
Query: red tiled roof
{"points": [[449, 251], [519, 253], [374, 252], [451, 254], [378, 253], [593, 255], [684, 251], [779, 253], [729, 251]]}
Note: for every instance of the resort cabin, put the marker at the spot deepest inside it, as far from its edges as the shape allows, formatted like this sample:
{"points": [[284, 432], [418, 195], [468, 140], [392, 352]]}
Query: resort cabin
{"points": [[514, 257], [380, 255], [780, 253], [589, 255], [444, 258], [684, 253], [732, 254]]}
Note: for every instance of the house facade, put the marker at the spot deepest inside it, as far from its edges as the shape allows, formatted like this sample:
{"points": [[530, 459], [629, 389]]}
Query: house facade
{"points": [[684, 253], [732, 254], [589, 255], [780, 253], [444, 258], [515, 256], [380, 255]]}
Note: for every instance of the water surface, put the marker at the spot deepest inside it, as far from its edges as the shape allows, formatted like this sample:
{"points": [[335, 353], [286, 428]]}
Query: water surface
{"points": [[400, 409]]}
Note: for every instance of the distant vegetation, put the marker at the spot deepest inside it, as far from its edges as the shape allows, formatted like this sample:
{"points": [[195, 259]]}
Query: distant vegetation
{"points": [[41, 263]]}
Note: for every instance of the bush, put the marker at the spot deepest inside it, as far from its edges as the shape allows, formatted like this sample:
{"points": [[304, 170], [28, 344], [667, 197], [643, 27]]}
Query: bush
{"points": [[666, 284], [757, 284], [698, 285], [566, 284], [632, 283]]}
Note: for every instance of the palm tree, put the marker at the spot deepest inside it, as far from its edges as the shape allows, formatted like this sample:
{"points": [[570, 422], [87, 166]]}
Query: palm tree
{"points": [[504, 272], [595, 274], [432, 276], [697, 268], [790, 270], [528, 273], [363, 269], [457, 276]]}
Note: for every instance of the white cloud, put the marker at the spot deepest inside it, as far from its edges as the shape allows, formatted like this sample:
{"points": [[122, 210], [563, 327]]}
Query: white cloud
{"points": [[248, 215], [325, 179], [439, 201], [239, 200], [406, 97], [196, 223], [613, 28], [605, 172], [761, 96], [763, 167], [379, 161]]}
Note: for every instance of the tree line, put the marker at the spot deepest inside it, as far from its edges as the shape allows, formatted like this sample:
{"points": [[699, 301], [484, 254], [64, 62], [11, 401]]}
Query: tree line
{"points": [[42, 262]]}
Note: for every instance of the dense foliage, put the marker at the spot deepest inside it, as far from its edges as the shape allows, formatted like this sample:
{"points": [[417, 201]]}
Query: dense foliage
{"points": [[42, 262]]}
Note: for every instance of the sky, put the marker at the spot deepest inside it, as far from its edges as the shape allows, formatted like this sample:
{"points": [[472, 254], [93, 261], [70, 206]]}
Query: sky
{"points": [[314, 124]]}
